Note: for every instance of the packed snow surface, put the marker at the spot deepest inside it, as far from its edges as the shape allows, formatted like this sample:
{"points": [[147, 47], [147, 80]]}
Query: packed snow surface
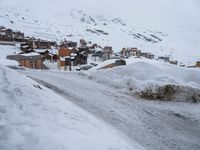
{"points": [[143, 74], [35, 118], [8, 50], [105, 93]]}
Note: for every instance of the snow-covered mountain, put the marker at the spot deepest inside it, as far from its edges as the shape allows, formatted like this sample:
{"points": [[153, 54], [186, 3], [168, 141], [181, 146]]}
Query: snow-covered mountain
{"points": [[163, 28]]}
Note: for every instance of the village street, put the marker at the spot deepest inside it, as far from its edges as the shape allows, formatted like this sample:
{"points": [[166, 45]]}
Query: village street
{"points": [[154, 125]]}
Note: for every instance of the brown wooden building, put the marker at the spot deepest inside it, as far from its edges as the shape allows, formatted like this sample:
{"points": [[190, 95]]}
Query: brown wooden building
{"points": [[69, 57], [64, 61], [197, 65], [32, 60]]}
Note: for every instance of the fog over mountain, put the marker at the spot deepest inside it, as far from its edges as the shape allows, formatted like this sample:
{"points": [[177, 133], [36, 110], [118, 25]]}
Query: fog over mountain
{"points": [[155, 13]]}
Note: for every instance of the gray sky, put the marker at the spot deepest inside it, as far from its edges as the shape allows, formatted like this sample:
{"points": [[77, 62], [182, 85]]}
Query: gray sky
{"points": [[144, 13]]}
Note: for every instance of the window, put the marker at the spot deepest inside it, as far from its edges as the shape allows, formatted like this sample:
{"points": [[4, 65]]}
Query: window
{"points": [[33, 64]]}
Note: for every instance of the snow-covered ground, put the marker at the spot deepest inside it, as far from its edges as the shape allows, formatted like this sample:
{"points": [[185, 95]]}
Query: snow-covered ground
{"points": [[8, 50], [103, 109], [97, 109], [143, 74], [35, 118], [153, 124]]}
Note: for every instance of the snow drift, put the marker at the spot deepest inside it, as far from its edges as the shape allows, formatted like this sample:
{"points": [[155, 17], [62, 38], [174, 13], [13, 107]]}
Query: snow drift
{"points": [[33, 117], [153, 80]]}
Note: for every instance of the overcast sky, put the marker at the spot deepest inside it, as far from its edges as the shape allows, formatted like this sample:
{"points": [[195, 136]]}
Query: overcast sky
{"points": [[144, 13]]}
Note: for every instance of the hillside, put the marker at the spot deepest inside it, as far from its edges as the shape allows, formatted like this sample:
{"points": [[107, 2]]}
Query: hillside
{"points": [[163, 28]]}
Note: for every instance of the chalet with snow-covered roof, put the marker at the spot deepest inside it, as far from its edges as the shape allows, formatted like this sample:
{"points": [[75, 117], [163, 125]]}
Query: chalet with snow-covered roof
{"points": [[42, 51], [108, 48], [81, 58], [25, 47], [40, 44], [17, 35], [30, 60], [64, 61], [83, 48], [71, 44], [102, 54], [33, 44], [106, 53], [69, 57], [6, 33], [147, 55], [97, 55], [129, 52], [66, 44]]}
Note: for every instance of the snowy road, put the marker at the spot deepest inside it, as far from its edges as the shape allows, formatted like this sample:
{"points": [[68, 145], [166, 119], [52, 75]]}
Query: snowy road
{"points": [[154, 125]]}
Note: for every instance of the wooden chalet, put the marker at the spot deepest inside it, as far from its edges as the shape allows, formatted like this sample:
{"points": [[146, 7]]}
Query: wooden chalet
{"points": [[40, 44], [31, 60], [6, 33], [147, 55], [69, 57], [17, 35], [129, 52]]}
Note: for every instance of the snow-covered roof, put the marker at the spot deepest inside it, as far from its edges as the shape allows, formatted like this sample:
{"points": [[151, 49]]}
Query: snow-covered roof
{"points": [[73, 54], [41, 50], [83, 52], [98, 49], [25, 46], [63, 58], [31, 54], [73, 58]]}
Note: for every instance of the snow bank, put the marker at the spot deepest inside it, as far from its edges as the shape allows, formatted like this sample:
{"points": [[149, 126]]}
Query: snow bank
{"points": [[8, 50], [153, 80], [33, 117]]}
